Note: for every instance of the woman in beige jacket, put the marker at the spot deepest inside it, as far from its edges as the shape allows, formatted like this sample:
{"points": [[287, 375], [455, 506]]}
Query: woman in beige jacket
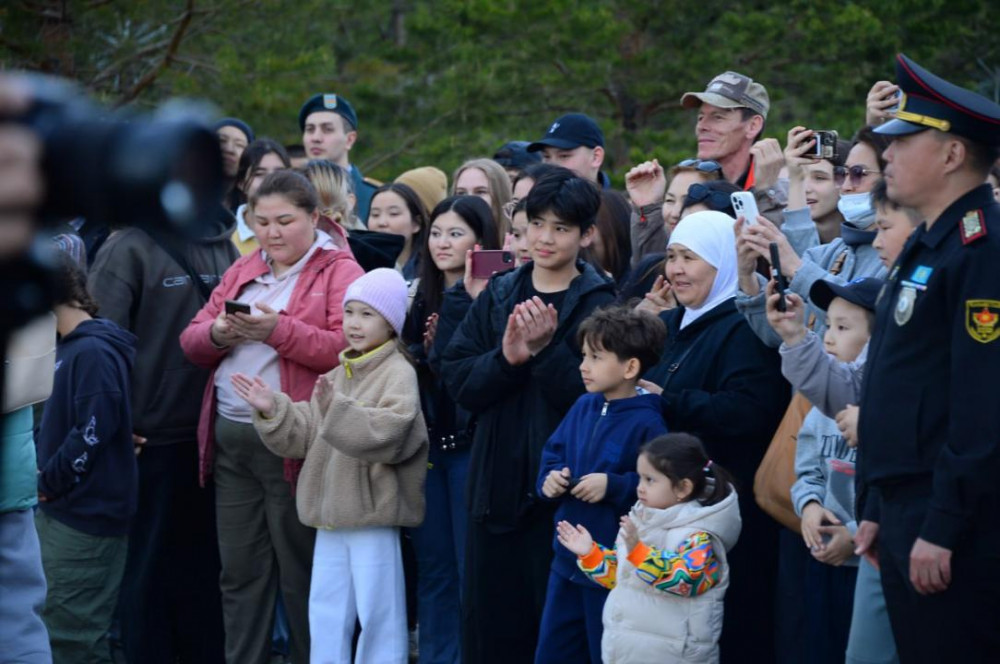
{"points": [[364, 442]]}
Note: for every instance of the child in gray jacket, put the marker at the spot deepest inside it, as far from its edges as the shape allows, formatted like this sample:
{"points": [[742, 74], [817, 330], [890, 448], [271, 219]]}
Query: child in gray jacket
{"points": [[824, 494]]}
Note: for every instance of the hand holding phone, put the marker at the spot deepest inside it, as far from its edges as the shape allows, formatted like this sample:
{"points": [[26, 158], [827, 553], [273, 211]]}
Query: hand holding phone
{"points": [[234, 307], [745, 205], [781, 285]]}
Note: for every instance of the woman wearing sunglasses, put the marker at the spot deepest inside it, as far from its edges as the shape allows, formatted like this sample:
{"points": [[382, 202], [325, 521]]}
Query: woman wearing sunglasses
{"points": [[804, 259], [658, 198]]}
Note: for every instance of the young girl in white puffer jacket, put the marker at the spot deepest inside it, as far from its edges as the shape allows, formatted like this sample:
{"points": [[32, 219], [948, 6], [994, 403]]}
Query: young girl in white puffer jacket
{"points": [[668, 572]]}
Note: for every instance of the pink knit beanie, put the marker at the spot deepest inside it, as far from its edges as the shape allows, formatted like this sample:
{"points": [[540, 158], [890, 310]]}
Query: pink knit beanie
{"points": [[384, 290]]}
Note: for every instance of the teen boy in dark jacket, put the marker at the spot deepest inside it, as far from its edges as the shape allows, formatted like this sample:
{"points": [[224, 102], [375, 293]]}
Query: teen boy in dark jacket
{"points": [[514, 362], [170, 605]]}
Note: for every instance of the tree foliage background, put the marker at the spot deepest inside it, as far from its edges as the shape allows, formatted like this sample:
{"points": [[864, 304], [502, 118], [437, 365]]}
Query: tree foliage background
{"points": [[436, 82]]}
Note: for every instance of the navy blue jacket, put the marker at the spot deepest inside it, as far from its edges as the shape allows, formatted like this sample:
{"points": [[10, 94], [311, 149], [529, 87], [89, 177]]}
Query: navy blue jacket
{"points": [[516, 408], [88, 468], [599, 436]]}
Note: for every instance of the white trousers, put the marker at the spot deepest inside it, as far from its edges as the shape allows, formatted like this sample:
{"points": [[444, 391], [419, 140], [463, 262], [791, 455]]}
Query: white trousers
{"points": [[358, 574]]}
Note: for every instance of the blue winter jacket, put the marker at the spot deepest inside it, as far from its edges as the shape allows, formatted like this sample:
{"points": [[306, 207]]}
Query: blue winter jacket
{"points": [[88, 470], [599, 436]]}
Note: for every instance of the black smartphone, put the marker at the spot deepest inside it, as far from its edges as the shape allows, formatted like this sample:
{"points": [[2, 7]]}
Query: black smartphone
{"points": [[779, 279], [234, 307], [826, 144], [573, 481]]}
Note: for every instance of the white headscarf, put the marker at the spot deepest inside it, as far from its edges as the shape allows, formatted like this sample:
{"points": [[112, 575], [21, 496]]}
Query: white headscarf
{"points": [[710, 235]]}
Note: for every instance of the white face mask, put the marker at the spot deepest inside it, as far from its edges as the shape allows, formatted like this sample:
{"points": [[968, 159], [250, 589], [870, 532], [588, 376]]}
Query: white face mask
{"points": [[857, 210]]}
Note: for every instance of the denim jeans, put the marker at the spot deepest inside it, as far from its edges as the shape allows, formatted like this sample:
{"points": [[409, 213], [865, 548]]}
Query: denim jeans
{"points": [[440, 547]]}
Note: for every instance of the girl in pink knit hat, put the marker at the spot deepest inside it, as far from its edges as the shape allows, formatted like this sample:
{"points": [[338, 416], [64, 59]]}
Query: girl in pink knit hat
{"points": [[364, 441]]}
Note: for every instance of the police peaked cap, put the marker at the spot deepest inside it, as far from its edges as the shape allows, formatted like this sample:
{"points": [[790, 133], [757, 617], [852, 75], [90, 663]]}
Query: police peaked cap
{"points": [[930, 102]]}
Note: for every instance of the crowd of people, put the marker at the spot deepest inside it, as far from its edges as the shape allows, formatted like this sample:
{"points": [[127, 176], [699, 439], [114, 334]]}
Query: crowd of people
{"points": [[656, 428]]}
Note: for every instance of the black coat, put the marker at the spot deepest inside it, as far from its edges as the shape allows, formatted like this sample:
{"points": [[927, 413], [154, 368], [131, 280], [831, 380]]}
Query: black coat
{"points": [[443, 417], [517, 408], [928, 403], [722, 385]]}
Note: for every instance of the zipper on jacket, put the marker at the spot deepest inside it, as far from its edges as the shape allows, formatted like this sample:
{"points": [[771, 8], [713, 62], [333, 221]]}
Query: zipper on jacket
{"points": [[593, 432]]}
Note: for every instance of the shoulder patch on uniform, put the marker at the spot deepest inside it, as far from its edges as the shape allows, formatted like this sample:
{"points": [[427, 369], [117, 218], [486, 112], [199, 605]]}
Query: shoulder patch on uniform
{"points": [[973, 226], [981, 318]]}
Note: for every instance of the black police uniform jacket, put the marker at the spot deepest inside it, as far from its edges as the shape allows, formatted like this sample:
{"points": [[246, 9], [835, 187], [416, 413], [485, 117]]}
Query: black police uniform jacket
{"points": [[929, 410], [516, 408]]}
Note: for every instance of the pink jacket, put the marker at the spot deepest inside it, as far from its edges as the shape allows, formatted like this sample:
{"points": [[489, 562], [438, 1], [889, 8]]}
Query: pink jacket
{"points": [[309, 335]]}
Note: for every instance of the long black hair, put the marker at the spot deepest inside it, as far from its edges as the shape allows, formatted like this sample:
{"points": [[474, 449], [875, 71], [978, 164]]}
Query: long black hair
{"points": [[681, 456], [475, 212], [250, 159], [612, 223]]}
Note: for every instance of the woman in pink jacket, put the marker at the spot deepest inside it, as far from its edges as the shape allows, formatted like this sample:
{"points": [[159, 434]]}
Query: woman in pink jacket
{"points": [[276, 313]]}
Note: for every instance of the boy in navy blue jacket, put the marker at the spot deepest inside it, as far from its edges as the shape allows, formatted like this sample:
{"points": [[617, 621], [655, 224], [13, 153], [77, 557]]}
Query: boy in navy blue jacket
{"points": [[512, 362], [87, 474], [588, 465]]}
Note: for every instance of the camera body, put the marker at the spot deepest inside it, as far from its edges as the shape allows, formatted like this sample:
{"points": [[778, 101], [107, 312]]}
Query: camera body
{"points": [[162, 172], [826, 144]]}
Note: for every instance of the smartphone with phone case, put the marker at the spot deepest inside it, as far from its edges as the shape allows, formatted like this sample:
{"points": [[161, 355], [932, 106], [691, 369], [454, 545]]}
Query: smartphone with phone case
{"points": [[826, 144], [745, 205], [234, 307], [779, 279], [487, 262]]}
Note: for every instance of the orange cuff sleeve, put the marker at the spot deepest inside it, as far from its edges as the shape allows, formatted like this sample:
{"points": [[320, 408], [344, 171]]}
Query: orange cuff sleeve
{"points": [[593, 558], [638, 555]]}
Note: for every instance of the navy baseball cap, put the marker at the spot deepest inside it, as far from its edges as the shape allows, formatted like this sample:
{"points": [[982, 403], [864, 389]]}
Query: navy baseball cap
{"points": [[514, 154], [930, 102], [570, 131], [862, 292], [328, 102]]}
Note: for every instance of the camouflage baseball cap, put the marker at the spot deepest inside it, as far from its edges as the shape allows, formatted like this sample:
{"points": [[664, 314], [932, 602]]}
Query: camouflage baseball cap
{"points": [[731, 90]]}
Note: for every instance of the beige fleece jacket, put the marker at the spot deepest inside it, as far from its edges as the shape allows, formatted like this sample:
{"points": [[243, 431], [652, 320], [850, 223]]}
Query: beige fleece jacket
{"points": [[365, 451]]}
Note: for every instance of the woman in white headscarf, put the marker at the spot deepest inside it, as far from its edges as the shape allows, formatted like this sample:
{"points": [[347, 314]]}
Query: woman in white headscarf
{"points": [[721, 383]]}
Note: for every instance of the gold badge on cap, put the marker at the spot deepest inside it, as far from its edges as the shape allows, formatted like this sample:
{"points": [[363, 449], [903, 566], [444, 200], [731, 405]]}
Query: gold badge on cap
{"points": [[905, 302], [981, 318]]}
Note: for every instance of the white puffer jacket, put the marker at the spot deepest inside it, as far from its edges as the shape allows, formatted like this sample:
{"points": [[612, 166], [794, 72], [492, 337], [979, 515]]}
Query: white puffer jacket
{"points": [[643, 625]]}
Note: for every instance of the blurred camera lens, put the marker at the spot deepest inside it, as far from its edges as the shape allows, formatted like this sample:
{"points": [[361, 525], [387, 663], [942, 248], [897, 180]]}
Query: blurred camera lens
{"points": [[124, 170]]}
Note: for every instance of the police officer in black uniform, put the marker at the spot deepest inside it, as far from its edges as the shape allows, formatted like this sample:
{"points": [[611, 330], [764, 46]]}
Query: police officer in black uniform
{"points": [[929, 425]]}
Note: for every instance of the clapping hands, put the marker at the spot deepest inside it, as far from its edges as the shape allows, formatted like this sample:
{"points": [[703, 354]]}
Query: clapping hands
{"points": [[530, 328]]}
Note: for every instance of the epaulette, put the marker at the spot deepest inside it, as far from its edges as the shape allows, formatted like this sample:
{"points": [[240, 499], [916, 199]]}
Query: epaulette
{"points": [[372, 182], [973, 226]]}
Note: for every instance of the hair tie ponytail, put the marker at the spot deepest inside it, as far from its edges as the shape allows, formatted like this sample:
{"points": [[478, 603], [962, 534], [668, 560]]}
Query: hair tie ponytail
{"points": [[708, 467]]}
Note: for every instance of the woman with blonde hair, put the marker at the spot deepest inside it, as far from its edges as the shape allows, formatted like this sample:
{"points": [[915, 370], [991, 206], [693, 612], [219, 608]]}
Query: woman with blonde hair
{"points": [[489, 181], [336, 193]]}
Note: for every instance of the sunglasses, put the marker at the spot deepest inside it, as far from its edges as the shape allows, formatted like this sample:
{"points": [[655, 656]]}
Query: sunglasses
{"points": [[705, 166], [857, 174], [718, 201]]}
